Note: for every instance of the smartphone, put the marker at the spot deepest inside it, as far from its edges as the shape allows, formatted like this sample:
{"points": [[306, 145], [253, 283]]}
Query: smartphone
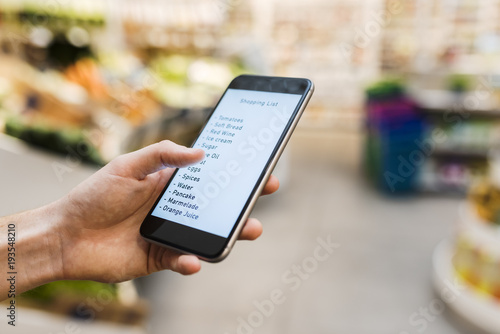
{"points": [[203, 207]]}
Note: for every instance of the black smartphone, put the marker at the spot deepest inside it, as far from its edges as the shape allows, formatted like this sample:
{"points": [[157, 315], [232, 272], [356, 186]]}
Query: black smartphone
{"points": [[203, 207]]}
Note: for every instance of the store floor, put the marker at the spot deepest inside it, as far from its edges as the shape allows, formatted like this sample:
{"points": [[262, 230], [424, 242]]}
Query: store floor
{"points": [[378, 279]]}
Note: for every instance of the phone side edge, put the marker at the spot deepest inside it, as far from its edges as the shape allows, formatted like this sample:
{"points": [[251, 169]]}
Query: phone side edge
{"points": [[268, 173]]}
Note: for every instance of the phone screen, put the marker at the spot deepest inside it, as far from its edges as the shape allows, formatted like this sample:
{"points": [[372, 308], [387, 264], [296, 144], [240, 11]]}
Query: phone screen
{"points": [[238, 141]]}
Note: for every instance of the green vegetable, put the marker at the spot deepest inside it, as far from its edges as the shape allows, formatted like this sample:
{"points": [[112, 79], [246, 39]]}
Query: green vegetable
{"points": [[48, 292], [66, 142], [459, 83], [384, 89]]}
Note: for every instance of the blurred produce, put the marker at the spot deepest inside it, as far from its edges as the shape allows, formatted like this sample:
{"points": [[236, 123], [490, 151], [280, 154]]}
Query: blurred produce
{"points": [[86, 74], [477, 257], [47, 293], [459, 83], [91, 97], [485, 196], [477, 254], [65, 89], [89, 301], [66, 142]]}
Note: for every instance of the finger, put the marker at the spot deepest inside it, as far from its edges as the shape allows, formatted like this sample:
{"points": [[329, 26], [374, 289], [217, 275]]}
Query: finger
{"points": [[183, 264], [155, 157], [252, 230], [271, 186]]}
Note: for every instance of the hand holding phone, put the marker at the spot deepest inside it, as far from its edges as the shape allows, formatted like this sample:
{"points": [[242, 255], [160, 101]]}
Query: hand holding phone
{"points": [[203, 207]]}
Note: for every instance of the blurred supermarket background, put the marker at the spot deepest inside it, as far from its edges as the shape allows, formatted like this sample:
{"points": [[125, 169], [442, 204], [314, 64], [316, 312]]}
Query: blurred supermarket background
{"points": [[396, 159]]}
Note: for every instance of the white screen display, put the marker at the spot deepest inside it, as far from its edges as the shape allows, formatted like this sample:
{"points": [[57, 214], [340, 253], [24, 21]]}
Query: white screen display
{"points": [[238, 141]]}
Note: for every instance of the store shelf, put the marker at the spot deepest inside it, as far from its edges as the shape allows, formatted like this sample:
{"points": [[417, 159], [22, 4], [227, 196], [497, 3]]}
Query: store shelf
{"points": [[450, 109], [461, 153], [480, 310], [439, 102]]}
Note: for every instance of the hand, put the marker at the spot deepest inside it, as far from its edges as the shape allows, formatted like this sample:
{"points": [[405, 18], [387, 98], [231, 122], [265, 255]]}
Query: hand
{"points": [[98, 221]]}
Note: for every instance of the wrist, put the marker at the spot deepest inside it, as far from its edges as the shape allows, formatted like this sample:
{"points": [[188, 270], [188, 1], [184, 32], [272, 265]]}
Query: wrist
{"points": [[38, 246]]}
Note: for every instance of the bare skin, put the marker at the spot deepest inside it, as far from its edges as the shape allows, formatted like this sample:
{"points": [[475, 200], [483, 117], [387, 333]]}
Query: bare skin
{"points": [[93, 232]]}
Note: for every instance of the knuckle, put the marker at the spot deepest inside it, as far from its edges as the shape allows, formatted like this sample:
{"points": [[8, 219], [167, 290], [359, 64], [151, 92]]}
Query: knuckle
{"points": [[165, 142]]}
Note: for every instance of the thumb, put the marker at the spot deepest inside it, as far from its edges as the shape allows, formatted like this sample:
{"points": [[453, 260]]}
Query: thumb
{"points": [[154, 157]]}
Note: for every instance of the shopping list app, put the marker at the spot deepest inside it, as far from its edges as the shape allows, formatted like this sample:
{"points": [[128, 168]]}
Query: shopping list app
{"points": [[238, 140]]}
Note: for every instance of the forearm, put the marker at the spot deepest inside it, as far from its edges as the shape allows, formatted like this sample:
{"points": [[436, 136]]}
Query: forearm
{"points": [[29, 250]]}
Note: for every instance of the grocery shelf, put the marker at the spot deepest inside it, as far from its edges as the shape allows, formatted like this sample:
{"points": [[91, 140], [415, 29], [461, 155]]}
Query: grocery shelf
{"points": [[439, 102], [461, 153]]}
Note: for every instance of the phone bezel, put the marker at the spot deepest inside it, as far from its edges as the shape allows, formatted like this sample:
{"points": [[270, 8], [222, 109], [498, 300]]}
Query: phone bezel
{"points": [[206, 245]]}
